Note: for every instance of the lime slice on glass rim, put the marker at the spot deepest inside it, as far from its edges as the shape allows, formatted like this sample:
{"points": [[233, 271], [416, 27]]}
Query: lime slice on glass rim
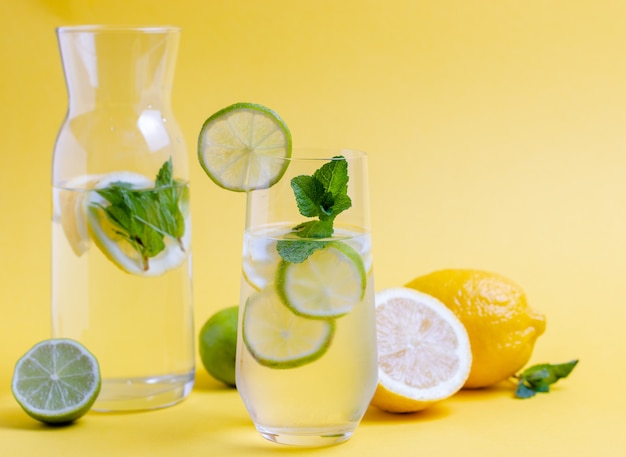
{"points": [[278, 338], [238, 147], [115, 247], [326, 285], [56, 381]]}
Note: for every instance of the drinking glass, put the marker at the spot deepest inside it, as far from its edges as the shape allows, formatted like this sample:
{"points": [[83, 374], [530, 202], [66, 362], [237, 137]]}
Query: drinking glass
{"points": [[306, 350], [121, 225]]}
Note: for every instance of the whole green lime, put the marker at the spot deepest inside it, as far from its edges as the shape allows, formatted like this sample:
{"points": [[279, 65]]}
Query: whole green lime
{"points": [[218, 345]]}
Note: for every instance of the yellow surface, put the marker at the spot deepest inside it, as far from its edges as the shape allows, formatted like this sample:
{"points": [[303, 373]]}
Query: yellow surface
{"points": [[497, 139]]}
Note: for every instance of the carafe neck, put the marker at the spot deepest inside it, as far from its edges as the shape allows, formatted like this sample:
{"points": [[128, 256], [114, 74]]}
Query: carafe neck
{"points": [[128, 68]]}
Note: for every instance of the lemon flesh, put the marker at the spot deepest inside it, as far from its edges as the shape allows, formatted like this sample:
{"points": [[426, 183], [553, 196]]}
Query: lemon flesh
{"points": [[243, 146], [57, 381], [116, 248], [278, 338], [424, 353], [326, 285]]}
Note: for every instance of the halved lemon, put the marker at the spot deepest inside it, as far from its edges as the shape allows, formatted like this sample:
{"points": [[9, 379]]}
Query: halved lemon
{"points": [[277, 338], [326, 285], [243, 146], [115, 247], [424, 352]]}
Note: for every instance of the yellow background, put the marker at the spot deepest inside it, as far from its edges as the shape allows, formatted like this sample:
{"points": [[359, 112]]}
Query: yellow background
{"points": [[497, 138]]}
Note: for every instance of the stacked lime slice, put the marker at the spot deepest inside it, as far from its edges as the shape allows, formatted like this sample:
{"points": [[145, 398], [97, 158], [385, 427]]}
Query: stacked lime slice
{"points": [[326, 285]]}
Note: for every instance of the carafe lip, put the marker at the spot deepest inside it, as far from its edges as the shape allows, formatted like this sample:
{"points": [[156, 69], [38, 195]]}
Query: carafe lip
{"points": [[112, 28]]}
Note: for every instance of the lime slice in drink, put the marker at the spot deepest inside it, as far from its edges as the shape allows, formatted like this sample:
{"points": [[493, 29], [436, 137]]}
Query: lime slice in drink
{"points": [[260, 261], [327, 284], [115, 247], [69, 207], [238, 147], [277, 338], [57, 381]]}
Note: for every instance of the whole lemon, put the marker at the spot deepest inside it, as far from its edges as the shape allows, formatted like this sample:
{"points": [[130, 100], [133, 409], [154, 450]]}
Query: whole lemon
{"points": [[502, 328], [218, 345]]}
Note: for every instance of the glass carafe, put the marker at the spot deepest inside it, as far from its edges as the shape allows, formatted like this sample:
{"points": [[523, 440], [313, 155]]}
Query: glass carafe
{"points": [[121, 224]]}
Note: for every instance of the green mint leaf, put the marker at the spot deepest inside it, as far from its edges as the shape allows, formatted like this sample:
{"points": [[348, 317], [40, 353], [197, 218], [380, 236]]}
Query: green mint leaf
{"points": [[539, 378], [334, 176], [165, 175], [297, 251], [323, 195], [314, 229], [524, 391], [144, 217], [309, 193]]}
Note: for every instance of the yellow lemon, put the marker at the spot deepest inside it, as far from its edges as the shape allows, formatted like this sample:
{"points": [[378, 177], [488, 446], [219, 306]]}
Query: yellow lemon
{"points": [[502, 328], [424, 352]]}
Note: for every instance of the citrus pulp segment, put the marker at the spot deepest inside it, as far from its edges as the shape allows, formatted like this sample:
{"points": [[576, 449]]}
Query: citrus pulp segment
{"points": [[57, 381], [115, 247], [277, 338], [325, 285], [70, 208], [424, 353], [243, 146]]}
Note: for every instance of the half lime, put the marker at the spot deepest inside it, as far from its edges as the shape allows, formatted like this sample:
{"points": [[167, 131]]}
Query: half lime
{"points": [[241, 146], [57, 381], [277, 338]]}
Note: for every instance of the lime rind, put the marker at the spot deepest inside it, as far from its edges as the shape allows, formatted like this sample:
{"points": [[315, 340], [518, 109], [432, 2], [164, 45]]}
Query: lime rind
{"points": [[328, 284], [242, 147], [56, 381], [278, 338], [116, 248]]}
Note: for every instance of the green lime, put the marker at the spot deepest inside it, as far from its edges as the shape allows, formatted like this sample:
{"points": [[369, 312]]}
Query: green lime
{"points": [[243, 146], [218, 345], [117, 248], [327, 284], [57, 381], [277, 338]]}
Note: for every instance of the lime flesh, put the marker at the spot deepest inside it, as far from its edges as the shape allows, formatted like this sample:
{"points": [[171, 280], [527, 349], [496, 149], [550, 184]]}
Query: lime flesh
{"points": [[278, 338], [57, 381], [243, 146], [326, 285]]}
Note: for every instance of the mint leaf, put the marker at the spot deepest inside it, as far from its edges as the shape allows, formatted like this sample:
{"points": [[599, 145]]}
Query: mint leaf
{"points": [[297, 251], [314, 229], [523, 391], [144, 217], [539, 378], [309, 193], [323, 195], [334, 176]]}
